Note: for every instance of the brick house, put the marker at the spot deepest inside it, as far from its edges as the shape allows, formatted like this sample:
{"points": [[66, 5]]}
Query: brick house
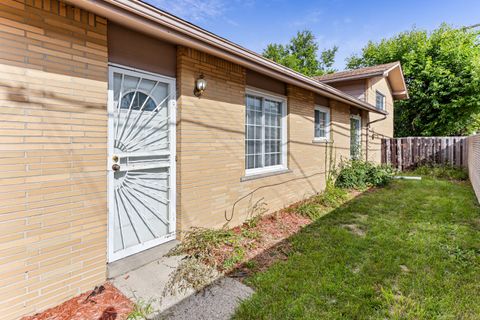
{"points": [[109, 150]]}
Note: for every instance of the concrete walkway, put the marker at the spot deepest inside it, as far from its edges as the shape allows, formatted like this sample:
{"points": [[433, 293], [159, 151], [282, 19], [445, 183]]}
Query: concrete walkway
{"points": [[217, 301], [147, 281]]}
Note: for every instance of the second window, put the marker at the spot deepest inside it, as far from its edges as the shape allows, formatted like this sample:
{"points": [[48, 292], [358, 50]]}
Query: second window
{"points": [[322, 123]]}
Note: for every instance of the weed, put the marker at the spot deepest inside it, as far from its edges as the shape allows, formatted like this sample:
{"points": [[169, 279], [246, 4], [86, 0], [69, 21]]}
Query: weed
{"points": [[250, 264], [251, 234], [332, 196], [201, 241], [237, 256], [141, 310], [309, 210], [253, 221], [191, 273]]}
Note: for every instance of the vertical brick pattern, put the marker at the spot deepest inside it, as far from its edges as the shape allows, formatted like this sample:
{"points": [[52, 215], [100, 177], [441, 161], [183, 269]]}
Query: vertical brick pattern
{"points": [[474, 163], [210, 147], [53, 139]]}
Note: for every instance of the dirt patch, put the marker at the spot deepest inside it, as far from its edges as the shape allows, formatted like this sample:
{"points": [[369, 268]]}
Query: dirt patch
{"points": [[103, 303], [404, 268], [355, 229]]}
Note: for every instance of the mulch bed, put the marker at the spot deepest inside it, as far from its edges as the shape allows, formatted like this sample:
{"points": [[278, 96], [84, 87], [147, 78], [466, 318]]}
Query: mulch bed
{"points": [[273, 245], [103, 303], [270, 246]]}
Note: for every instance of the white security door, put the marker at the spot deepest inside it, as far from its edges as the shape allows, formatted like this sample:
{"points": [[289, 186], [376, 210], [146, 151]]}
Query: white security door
{"points": [[141, 161]]}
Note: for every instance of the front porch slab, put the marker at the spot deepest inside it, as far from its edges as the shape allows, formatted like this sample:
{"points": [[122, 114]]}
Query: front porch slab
{"points": [[143, 278]]}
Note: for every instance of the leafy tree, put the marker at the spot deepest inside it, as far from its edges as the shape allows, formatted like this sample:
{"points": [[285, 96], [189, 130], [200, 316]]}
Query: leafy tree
{"points": [[442, 72], [301, 54]]}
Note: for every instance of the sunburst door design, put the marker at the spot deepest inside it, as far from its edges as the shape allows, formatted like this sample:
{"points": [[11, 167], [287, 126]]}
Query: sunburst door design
{"points": [[141, 165]]}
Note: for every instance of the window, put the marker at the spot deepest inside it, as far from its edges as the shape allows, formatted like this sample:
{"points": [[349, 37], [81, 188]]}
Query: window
{"points": [[355, 136], [322, 123], [380, 101], [265, 133]]}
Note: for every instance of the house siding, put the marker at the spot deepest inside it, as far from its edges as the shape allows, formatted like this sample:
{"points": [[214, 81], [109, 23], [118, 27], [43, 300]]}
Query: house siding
{"points": [[53, 120], [210, 147], [383, 128], [354, 88]]}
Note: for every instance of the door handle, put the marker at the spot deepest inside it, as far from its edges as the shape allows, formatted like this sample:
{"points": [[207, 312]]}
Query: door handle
{"points": [[115, 167]]}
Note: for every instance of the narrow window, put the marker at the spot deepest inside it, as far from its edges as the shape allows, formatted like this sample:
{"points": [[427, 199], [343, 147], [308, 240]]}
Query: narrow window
{"points": [[355, 136], [380, 101], [322, 123], [265, 138]]}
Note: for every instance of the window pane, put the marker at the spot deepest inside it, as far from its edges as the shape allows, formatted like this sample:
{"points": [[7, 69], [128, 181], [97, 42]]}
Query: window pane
{"points": [[258, 161], [250, 147], [258, 133], [249, 162], [250, 117], [250, 132], [320, 124], [380, 101]]}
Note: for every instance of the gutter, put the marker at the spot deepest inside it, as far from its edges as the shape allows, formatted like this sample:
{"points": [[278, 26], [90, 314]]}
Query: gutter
{"points": [[368, 130], [357, 77], [148, 19]]}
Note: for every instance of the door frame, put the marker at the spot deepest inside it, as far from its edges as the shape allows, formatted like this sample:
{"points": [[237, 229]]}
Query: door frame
{"points": [[172, 110]]}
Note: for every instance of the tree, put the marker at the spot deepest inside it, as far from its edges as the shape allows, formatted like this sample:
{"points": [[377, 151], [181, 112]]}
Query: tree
{"points": [[442, 73], [301, 54]]}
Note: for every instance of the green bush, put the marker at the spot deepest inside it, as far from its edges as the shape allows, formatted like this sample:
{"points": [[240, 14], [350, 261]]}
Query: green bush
{"points": [[359, 174], [442, 172]]}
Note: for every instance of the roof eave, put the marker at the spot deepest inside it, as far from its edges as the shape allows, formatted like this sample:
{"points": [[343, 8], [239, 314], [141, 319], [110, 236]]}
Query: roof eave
{"points": [[141, 16], [402, 95], [350, 78]]}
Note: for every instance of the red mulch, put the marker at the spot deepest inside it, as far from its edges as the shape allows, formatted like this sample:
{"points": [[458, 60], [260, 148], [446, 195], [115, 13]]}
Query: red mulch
{"points": [[100, 304], [269, 247]]}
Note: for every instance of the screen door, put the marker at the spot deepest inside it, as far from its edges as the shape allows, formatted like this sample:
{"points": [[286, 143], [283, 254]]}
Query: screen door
{"points": [[141, 161]]}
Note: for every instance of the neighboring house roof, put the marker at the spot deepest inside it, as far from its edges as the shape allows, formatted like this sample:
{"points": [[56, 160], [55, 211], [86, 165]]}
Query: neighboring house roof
{"points": [[155, 22], [392, 71]]}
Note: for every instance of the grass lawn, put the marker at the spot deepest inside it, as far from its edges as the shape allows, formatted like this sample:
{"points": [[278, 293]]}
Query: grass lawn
{"points": [[410, 250]]}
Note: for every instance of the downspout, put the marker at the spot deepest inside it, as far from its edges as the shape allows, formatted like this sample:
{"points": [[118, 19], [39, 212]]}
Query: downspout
{"points": [[366, 134]]}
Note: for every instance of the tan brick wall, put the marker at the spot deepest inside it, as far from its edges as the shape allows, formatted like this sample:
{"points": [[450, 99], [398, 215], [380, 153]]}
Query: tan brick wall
{"points": [[474, 163], [382, 128], [53, 131], [210, 147]]}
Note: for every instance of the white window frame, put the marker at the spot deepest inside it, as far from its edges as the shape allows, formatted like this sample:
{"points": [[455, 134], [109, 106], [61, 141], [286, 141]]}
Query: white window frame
{"points": [[325, 110], [359, 118], [283, 100], [378, 93]]}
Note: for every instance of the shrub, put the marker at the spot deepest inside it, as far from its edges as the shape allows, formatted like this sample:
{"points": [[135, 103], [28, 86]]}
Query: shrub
{"points": [[442, 172], [359, 174]]}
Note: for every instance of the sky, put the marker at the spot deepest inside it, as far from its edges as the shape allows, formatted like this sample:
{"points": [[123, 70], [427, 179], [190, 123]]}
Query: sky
{"points": [[346, 23]]}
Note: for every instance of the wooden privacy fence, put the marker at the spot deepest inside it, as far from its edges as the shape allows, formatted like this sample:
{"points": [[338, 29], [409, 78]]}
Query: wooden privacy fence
{"points": [[409, 152]]}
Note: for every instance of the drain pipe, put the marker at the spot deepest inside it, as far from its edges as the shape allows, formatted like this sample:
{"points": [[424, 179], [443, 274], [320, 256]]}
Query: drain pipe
{"points": [[366, 134]]}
